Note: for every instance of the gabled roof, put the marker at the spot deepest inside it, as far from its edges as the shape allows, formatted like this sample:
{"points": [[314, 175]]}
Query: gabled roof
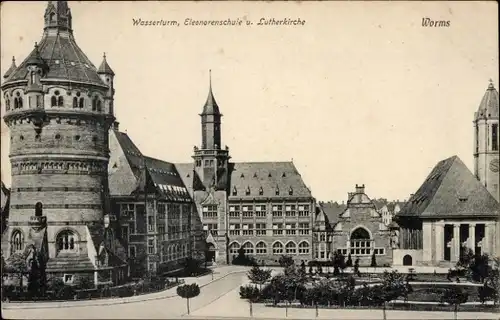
{"points": [[451, 190], [267, 177], [489, 108], [332, 211]]}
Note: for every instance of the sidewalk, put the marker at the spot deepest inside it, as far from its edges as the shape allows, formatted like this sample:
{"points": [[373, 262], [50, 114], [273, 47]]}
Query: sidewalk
{"points": [[220, 273]]}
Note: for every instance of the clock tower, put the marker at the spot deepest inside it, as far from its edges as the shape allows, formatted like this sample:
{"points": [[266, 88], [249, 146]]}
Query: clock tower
{"points": [[486, 142]]}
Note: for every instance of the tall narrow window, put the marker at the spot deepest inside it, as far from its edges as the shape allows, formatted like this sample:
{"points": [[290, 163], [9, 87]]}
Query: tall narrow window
{"points": [[60, 101], [53, 101], [94, 104], [66, 241], [494, 137], [99, 106], [33, 80], [477, 139], [17, 241], [75, 102], [81, 103]]}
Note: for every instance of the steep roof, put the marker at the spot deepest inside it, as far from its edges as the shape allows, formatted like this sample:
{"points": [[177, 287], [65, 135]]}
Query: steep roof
{"points": [[333, 210], [161, 175], [267, 177], [451, 190], [489, 108], [210, 107], [187, 174], [11, 68], [58, 52], [104, 67]]}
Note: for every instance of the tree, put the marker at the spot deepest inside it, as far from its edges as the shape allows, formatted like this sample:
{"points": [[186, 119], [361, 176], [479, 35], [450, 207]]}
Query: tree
{"points": [[187, 292], [338, 260], [286, 261], [242, 260], [303, 266], [348, 263], [259, 276], [356, 267], [192, 266], [17, 264], [251, 294], [455, 296], [374, 260]]}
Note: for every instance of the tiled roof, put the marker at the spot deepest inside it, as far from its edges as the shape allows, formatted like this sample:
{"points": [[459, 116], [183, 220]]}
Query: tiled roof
{"points": [[104, 67], [63, 59], [332, 210], [11, 68], [380, 203], [489, 104], [69, 263], [133, 154], [263, 179], [187, 174], [167, 180], [451, 190]]}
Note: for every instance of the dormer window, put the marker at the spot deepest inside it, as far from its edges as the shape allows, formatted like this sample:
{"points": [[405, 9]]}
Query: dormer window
{"points": [[235, 192], [283, 175], [261, 191], [290, 191], [247, 191], [269, 175], [242, 176], [255, 175]]}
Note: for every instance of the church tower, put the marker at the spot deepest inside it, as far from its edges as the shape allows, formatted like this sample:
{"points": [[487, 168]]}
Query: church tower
{"points": [[486, 142], [211, 161], [59, 108]]}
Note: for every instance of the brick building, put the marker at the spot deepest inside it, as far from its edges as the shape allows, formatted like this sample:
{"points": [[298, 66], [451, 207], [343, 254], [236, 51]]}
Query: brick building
{"points": [[157, 217], [59, 107], [356, 228], [263, 207]]}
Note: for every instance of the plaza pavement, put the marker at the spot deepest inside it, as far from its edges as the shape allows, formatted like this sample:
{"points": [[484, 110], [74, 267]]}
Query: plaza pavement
{"points": [[219, 299]]}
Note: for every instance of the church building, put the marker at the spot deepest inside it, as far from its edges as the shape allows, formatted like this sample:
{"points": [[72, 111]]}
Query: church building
{"points": [[59, 107], [455, 210]]}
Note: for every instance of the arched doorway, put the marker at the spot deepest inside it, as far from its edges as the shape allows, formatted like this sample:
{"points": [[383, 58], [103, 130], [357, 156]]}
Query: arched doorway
{"points": [[210, 254], [407, 260]]}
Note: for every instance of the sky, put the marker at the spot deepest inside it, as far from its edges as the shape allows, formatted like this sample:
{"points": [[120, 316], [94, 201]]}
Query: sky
{"points": [[359, 94]]}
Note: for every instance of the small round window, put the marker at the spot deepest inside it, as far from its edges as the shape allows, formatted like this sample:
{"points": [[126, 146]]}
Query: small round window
{"points": [[77, 138], [58, 136], [56, 92]]}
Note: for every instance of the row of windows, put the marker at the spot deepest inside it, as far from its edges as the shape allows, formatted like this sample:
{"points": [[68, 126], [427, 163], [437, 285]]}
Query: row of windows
{"points": [[260, 211], [277, 248], [66, 241], [57, 136], [56, 101], [362, 251], [494, 137]]}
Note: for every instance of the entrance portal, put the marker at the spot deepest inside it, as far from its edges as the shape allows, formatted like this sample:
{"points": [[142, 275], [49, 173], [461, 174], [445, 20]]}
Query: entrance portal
{"points": [[210, 254]]}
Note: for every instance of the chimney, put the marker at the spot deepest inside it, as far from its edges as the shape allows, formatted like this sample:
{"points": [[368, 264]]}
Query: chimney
{"points": [[116, 126], [360, 189]]}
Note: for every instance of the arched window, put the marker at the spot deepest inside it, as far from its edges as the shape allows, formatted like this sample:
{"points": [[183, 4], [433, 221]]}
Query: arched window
{"points": [[75, 102], [32, 75], [17, 241], [38, 209], [52, 17], [99, 106], [53, 101], [7, 104], [66, 241], [261, 248], [278, 248], [291, 248], [94, 104], [16, 103], [81, 103], [60, 101], [248, 248], [234, 247], [361, 243], [20, 103], [303, 248]]}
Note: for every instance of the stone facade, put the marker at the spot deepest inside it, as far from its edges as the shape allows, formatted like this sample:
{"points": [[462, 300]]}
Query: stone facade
{"points": [[58, 108], [357, 229]]}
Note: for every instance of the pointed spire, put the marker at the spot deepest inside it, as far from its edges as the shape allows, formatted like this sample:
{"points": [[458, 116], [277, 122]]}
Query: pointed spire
{"points": [[35, 58], [11, 69], [58, 16], [211, 106], [104, 68]]}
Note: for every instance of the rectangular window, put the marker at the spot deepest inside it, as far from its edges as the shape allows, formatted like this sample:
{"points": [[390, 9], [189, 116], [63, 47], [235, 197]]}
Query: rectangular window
{"points": [[234, 211], [277, 211], [260, 229], [127, 211], [304, 229], [304, 211], [247, 212], [68, 278], [234, 229], [260, 211], [290, 211], [248, 229], [151, 223], [494, 137], [151, 248], [161, 210], [131, 251], [290, 229], [125, 233], [210, 211], [277, 229]]}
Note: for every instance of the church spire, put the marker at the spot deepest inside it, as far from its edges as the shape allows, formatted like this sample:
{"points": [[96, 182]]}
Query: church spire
{"points": [[488, 108], [104, 68], [58, 16], [210, 107]]}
